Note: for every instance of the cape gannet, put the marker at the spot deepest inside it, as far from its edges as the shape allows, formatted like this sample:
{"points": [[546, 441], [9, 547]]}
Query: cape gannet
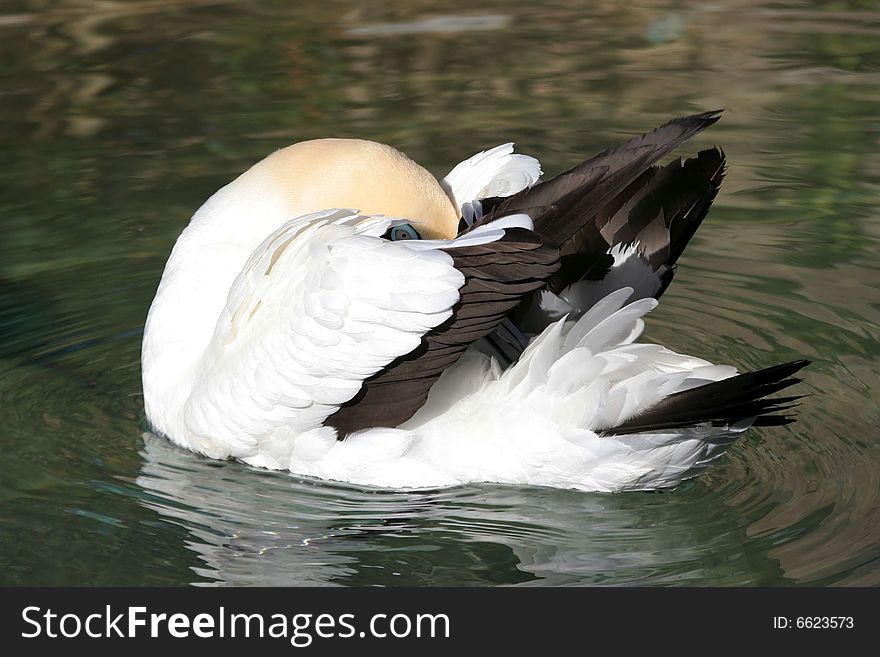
{"points": [[337, 312]]}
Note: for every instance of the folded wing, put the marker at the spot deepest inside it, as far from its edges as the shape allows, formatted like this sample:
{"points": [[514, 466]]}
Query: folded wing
{"points": [[322, 304], [497, 274]]}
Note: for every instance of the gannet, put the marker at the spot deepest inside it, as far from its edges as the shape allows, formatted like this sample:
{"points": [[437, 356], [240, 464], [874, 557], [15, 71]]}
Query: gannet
{"points": [[338, 312]]}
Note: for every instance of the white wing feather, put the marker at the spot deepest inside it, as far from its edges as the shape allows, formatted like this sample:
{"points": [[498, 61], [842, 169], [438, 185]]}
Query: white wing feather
{"points": [[322, 304], [495, 172]]}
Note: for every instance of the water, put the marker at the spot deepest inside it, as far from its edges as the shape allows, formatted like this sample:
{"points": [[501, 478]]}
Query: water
{"points": [[119, 118]]}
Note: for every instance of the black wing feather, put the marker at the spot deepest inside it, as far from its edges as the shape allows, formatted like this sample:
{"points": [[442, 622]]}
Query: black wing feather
{"points": [[497, 275]]}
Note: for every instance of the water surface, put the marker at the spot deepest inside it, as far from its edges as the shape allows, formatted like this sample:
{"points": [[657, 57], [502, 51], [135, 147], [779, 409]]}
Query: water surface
{"points": [[119, 118]]}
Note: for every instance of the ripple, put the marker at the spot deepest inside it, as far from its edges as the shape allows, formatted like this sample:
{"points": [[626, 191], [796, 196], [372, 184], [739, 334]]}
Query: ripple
{"points": [[269, 528]]}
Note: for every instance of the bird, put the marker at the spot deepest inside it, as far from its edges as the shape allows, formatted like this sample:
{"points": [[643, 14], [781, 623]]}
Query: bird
{"points": [[338, 312]]}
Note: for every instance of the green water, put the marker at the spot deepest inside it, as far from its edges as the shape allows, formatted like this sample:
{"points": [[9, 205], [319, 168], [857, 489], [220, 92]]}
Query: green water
{"points": [[118, 118]]}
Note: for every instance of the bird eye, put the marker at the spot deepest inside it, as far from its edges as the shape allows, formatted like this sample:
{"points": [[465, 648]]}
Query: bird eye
{"points": [[403, 232]]}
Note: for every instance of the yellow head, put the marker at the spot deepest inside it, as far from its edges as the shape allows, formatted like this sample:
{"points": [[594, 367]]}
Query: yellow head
{"points": [[355, 173]]}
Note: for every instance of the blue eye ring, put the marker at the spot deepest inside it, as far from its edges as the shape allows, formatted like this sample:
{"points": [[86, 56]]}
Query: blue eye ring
{"points": [[403, 232]]}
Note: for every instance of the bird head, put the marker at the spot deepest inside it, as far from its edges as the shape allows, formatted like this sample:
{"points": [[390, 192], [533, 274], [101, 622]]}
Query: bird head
{"points": [[353, 173]]}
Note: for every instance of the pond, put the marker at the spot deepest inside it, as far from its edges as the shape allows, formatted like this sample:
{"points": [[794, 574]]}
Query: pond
{"points": [[119, 118]]}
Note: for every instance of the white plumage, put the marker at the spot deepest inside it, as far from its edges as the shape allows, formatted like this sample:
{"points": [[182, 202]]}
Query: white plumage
{"points": [[272, 313], [535, 423], [495, 172]]}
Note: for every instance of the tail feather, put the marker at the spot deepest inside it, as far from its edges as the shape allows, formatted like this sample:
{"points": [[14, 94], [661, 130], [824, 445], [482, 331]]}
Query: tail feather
{"points": [[721, 403]]}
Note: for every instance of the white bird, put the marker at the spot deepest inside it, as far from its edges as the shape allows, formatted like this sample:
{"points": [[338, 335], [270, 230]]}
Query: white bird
{"points": [[337, 312]]}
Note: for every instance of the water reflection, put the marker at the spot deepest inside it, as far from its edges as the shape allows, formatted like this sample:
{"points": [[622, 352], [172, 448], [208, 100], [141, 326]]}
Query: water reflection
{"points": [[266, 528]]}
